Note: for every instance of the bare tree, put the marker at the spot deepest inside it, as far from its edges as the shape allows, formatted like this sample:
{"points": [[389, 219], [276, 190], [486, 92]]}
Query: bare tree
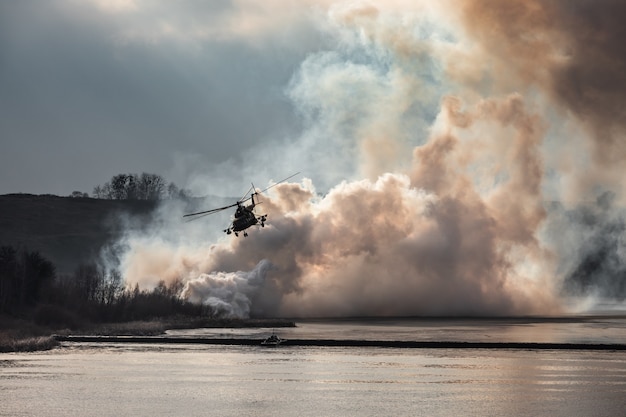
{"points": [[23, 274], [118, 186], [132, 192], [98, 192], [138, 187], [152, 186]]}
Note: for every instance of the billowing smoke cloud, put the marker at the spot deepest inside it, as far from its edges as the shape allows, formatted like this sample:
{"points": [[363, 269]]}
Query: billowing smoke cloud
{"points": [[573, 51], [433, 243], [438, 143], [227, 293]]}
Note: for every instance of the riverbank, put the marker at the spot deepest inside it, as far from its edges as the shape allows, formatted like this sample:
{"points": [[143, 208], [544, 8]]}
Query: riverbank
{"points": [[18, 335]]}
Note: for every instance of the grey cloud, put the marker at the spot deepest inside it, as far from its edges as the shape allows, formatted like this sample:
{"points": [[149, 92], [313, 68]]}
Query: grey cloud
{"points": [[74, 91]]}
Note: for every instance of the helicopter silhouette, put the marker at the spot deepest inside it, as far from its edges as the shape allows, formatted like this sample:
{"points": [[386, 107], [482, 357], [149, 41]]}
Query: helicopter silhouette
{"points": [[244, 216]]}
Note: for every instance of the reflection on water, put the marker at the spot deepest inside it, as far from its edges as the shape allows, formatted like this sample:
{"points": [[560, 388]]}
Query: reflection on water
{"points": [[135, 379]]}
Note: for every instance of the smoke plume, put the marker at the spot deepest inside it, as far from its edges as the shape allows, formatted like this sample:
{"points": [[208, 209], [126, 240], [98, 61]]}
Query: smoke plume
{"points": [[227, 293], [572, 51], [440, 134]]}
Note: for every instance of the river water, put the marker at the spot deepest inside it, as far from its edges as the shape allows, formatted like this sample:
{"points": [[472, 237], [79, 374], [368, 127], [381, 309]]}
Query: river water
{"points": [[89, 379]]}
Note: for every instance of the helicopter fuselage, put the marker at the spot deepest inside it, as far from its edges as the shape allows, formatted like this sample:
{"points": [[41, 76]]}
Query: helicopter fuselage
{"points": [[244, 221], [244, 217]]}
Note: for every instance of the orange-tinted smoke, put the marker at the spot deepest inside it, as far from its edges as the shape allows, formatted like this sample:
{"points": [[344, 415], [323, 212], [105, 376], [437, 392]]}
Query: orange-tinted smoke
{"points": [[431, 244], [574, 49]]}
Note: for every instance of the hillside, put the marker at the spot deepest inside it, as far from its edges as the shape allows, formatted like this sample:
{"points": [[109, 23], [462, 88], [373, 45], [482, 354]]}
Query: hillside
{"points": [[67, 231]]}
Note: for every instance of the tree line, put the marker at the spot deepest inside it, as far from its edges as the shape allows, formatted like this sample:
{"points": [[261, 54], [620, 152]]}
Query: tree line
{"points": [[136, 187], [29, 283]]}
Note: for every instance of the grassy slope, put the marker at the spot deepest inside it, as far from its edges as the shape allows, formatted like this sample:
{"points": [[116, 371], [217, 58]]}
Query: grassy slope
{"points": [[67, 231]]}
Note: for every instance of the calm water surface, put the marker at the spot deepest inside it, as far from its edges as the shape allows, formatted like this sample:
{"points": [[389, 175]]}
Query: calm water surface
{"points": [[195, 380]]}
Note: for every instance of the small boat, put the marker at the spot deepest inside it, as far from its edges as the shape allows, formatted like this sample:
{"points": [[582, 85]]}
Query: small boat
{"points": [[273, 340]]}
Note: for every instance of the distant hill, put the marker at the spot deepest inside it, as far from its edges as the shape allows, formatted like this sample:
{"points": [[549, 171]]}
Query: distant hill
{"points": [[66, 230]]}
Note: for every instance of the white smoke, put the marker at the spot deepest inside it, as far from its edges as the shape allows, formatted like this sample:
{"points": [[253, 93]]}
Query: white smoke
{"points": [[228, 293], [435, 167]]}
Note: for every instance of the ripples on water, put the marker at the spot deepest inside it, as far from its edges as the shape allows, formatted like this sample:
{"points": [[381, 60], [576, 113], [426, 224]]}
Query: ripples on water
{"points": [[110, 379]]}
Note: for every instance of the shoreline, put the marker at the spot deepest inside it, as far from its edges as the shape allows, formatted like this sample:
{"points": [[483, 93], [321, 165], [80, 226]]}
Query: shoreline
{"points": [[19, 335], [344, 343]]}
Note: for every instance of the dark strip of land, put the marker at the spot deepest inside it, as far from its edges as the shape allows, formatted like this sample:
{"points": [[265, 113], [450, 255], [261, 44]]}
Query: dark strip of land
{"points": [[345, 343]]}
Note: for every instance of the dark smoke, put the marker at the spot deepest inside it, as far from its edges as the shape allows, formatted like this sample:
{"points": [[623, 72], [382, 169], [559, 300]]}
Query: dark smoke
{"points": [[574, 49], [601, 259]]}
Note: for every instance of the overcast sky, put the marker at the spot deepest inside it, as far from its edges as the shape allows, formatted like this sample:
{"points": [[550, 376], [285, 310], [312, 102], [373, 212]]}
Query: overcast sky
{"points": [[92, 88], [215, 94]]}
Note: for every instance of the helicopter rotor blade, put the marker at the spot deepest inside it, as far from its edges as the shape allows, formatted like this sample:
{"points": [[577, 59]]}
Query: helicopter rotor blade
{"points": [[197, 217], [273, 185], [254, 192], [210, 211], [243, 198], [199, 214], [279, 182]]}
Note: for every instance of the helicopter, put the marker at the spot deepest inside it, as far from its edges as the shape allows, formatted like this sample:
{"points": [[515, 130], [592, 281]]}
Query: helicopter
{"points": [[244, 216]]}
